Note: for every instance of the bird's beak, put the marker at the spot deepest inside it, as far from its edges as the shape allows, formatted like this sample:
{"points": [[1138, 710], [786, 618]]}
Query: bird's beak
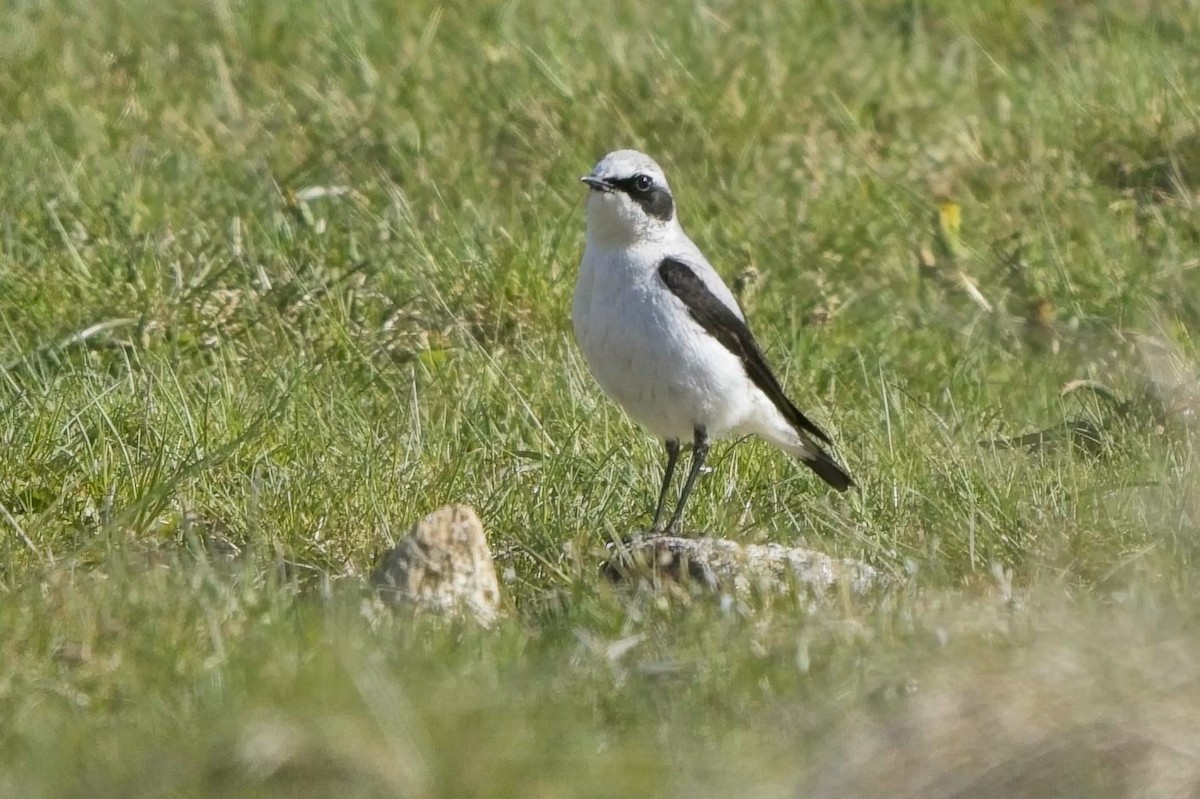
{"points": [[599, 184]]}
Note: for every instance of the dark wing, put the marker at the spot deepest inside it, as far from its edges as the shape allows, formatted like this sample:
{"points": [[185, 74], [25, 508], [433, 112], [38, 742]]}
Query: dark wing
{"points": [[724, 325]]}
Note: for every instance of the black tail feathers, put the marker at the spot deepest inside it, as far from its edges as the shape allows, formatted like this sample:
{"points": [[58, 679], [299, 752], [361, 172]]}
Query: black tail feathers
{"points": [[827, 468]]}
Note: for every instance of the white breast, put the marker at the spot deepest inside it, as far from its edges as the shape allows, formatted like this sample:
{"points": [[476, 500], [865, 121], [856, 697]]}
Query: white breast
{"points": [[649, 355]]}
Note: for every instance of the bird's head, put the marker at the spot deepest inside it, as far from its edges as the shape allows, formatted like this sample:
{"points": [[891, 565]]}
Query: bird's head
{"points": [[629, 200]]}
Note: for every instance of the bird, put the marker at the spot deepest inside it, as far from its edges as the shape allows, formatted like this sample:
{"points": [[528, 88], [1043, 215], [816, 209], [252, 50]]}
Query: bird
{"points": [[665, 338]]}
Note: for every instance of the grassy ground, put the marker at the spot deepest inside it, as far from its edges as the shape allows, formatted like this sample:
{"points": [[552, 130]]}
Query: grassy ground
{"points": [[221, 394]]}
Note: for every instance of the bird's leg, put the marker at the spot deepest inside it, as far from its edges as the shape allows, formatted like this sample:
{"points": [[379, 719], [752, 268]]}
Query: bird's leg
{"points": [[672, 457], [699, 452]]}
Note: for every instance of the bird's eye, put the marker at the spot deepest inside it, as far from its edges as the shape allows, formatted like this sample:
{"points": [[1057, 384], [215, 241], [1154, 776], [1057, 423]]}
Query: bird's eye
{"points": [[643, 182]]}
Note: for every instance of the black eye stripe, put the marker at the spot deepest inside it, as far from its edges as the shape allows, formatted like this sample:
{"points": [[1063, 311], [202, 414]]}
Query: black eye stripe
{"points": [[656, 200], [630, 185]]}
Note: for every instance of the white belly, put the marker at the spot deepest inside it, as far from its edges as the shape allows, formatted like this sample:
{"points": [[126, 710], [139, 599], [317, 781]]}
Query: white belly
{"points": [[648, 354]]}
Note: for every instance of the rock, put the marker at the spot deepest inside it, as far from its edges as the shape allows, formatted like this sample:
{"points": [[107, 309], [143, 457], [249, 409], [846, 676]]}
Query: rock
{"points": [[729, 567], [443, 565]]}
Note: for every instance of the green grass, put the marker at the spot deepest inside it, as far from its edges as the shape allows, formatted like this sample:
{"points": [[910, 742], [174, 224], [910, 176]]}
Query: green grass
{"points": [[220, 400]]}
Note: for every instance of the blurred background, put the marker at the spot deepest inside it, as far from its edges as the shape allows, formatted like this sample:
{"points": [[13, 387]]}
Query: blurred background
{"points": [[279, 278]]}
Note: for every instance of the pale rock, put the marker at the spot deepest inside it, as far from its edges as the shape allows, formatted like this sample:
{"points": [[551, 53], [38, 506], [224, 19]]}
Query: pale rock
{"points": [[443, 565], [732, 568]]}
